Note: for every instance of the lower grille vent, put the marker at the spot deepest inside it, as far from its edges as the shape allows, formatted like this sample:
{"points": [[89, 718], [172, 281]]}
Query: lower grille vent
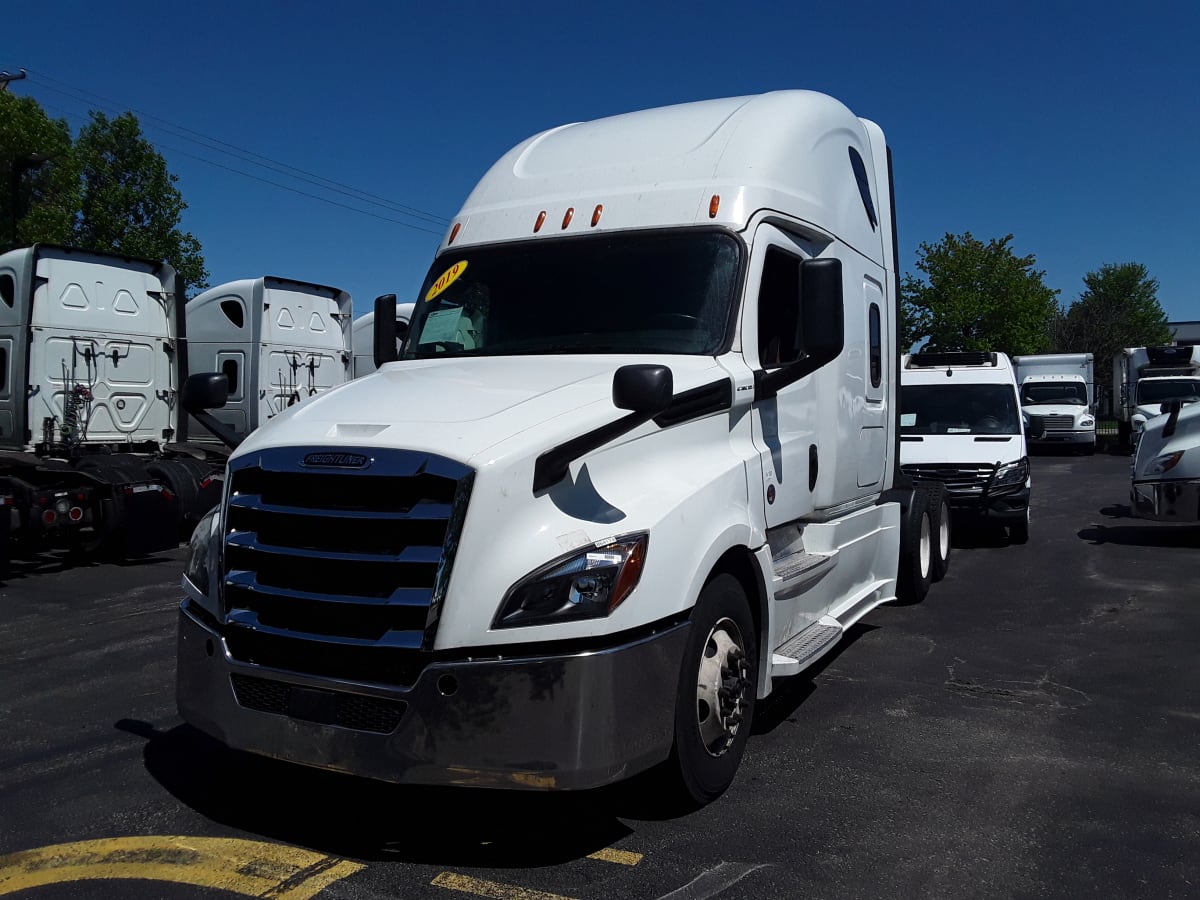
{"points": [[355, 711]]}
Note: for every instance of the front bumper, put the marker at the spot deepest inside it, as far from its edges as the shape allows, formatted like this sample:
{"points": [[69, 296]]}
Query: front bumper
{"points": [[1167, 501], [1065, 437], [549, 722], [1007, 507]]}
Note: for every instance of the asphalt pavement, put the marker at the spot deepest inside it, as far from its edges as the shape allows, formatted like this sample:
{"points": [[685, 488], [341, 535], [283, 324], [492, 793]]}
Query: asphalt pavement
{"points": [[1029, 730]]}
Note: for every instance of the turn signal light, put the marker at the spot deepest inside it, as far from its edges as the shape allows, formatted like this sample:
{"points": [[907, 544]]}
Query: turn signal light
{"points": [[713, 205]]}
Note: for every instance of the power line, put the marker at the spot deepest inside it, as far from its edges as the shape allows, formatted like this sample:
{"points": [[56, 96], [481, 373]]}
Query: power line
{"points": [[248, 156], [286, 187]]}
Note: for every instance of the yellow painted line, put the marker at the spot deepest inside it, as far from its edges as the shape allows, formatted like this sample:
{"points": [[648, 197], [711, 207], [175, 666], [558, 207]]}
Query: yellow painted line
{"points": [[252, 868], [621, 857], [480, 888]]}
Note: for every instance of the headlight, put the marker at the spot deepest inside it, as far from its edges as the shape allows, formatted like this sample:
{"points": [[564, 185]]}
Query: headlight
{"points": [[1087, 422], [1137, 422], [588, 584], [1165, 463], [200, 571], [1012, 473]]}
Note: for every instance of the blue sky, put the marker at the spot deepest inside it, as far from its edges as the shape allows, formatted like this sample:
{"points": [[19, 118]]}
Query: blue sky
{"points": [[1073, 126]]}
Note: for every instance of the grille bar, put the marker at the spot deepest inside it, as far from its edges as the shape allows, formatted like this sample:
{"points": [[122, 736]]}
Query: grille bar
{"points": [[248, 581], [249, 540], [356, 711], [420, 512]]}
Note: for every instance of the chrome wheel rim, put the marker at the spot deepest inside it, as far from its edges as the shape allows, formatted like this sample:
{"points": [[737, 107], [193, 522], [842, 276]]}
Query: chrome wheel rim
{"points": [[722, 686], [925, 548], [944, 532]]}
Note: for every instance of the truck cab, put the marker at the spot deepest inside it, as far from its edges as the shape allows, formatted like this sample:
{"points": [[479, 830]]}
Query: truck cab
{"points": [[961, 425], [634, 464], [1146, 379], [1058, 390]]}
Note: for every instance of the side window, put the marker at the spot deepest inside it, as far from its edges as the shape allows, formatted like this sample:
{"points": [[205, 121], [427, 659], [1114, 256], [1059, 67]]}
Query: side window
{"points": [[230, 369], [3, 369], [8, 289], [876, 345], [234, 312], [779, 338]]}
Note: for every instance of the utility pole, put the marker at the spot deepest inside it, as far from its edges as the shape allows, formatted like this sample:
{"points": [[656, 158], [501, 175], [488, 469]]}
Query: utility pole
{"points": [[5, 78]]}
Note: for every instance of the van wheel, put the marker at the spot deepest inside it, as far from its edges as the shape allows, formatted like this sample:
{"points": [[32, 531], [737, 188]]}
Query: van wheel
{"points": [[1018, 532], [940, 508], [916, 551], [714, 706]]}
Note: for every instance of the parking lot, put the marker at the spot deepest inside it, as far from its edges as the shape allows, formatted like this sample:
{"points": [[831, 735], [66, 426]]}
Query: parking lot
{"points": [[1030, 730]]}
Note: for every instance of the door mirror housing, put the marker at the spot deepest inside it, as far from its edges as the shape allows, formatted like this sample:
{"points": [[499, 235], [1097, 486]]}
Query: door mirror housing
{"points": [[385, 330], [205, 390], [645, 389], [1037, 427]]}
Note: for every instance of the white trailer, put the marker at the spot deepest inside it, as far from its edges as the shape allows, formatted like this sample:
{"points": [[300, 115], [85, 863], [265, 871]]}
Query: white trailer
{"points": [[363, 336], [636, 465], [1145, 379], [278, 342], [93, 439], [1059, 389]]}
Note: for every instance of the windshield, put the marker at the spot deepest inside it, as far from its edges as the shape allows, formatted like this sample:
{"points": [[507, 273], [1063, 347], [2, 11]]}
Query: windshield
{"points": [[1071, 392], [958, 409], [1151, 392], [649, 292]]}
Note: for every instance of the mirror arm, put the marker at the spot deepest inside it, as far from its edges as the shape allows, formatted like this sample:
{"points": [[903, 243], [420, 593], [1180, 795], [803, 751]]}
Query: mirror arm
{"points": [[219, 429], [553, 465], [768, 384]]}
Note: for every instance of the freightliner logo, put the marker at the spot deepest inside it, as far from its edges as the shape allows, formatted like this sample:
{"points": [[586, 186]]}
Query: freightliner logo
{"points": [[336, 460]]}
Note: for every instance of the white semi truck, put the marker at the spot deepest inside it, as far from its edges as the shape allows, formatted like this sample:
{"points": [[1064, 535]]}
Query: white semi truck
{"points": [[1146, 378], [1166, 469], [93, 439], [1059, 389], [636, 463], [277, 340]]}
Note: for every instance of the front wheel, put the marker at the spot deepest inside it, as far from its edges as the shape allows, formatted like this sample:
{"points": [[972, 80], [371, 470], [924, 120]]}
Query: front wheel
{"points": [[916, 551], [714, 706], [1018, 532]]}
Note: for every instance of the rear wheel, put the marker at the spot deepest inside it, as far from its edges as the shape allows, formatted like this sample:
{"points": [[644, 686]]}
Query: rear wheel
{"points": [[916, 551], [714, 706], [940, 509]]}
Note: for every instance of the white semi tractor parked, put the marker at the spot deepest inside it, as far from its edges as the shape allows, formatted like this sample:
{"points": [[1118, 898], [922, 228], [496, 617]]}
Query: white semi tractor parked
{"points": [[363, 337], [1146, 378], [277, 341], [94, 445], [961, 426], [636, 463], [1166, 469], [1059, 389]]}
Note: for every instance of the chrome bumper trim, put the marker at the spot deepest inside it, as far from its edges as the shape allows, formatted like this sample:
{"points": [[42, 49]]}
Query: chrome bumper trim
{"points": [[1167, 501], [564, 722]]}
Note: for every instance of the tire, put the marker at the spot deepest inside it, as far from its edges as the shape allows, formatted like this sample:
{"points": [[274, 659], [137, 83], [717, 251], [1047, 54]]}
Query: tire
{"points": [[710, 730], [1018, 532], [940, 521], [916, 551]]}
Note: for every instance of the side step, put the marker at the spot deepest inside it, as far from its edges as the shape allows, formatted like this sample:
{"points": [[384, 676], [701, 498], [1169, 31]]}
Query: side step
{"points": [[805, 648], [801, 567]]}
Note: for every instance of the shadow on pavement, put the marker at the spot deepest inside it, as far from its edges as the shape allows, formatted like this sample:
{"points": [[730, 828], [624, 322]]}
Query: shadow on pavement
{"points": [[362, 819], [1148, 535]]}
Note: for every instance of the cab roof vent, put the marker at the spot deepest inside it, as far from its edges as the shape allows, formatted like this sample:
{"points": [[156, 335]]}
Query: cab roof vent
{"points": [[951, 358]]}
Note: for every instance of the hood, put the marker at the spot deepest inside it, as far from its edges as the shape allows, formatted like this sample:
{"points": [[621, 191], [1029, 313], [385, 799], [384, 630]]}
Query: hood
{"points": [[458, 408], [1074, 410], [1150, 410], [950, 449]]}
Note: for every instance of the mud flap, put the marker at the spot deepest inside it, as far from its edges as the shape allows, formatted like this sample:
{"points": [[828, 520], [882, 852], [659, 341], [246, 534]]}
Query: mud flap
{"points": [[149, 519]]}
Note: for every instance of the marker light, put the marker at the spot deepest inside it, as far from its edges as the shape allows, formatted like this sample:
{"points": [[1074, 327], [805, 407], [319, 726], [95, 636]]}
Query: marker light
{"points": [[49, 516], [76, 514], [713, 205], [454, 232], [568, 216], [596, 214], [541, 220]]}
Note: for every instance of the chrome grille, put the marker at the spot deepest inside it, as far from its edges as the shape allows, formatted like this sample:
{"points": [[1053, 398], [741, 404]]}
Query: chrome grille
{"points": [[1059, 423], [339, 572], [961, 480]]}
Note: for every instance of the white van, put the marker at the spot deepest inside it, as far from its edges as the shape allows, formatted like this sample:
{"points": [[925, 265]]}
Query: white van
{"points": [[961, 424]]}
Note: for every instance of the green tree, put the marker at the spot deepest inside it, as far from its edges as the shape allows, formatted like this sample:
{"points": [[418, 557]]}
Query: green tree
{"points": [[977, 296], [129, 201], [39, 177], [1118, 308]]}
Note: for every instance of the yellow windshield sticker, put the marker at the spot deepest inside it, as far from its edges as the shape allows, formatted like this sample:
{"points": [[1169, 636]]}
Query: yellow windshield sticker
{"points": [[446, 279]]}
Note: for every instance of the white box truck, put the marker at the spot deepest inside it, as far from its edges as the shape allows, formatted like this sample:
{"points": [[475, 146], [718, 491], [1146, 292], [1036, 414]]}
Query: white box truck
{"points": [[94, 447], [1059, 389], [277, 340], [636, 462], [1147, 378], [961, 426], [1166, 468]]}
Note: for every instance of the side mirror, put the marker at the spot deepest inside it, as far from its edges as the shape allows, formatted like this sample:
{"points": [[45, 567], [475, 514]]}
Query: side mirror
{"points": [[822, 325], [205, 390], [1172, 409], [385, 329], [645, 389], [1037, 427]]}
